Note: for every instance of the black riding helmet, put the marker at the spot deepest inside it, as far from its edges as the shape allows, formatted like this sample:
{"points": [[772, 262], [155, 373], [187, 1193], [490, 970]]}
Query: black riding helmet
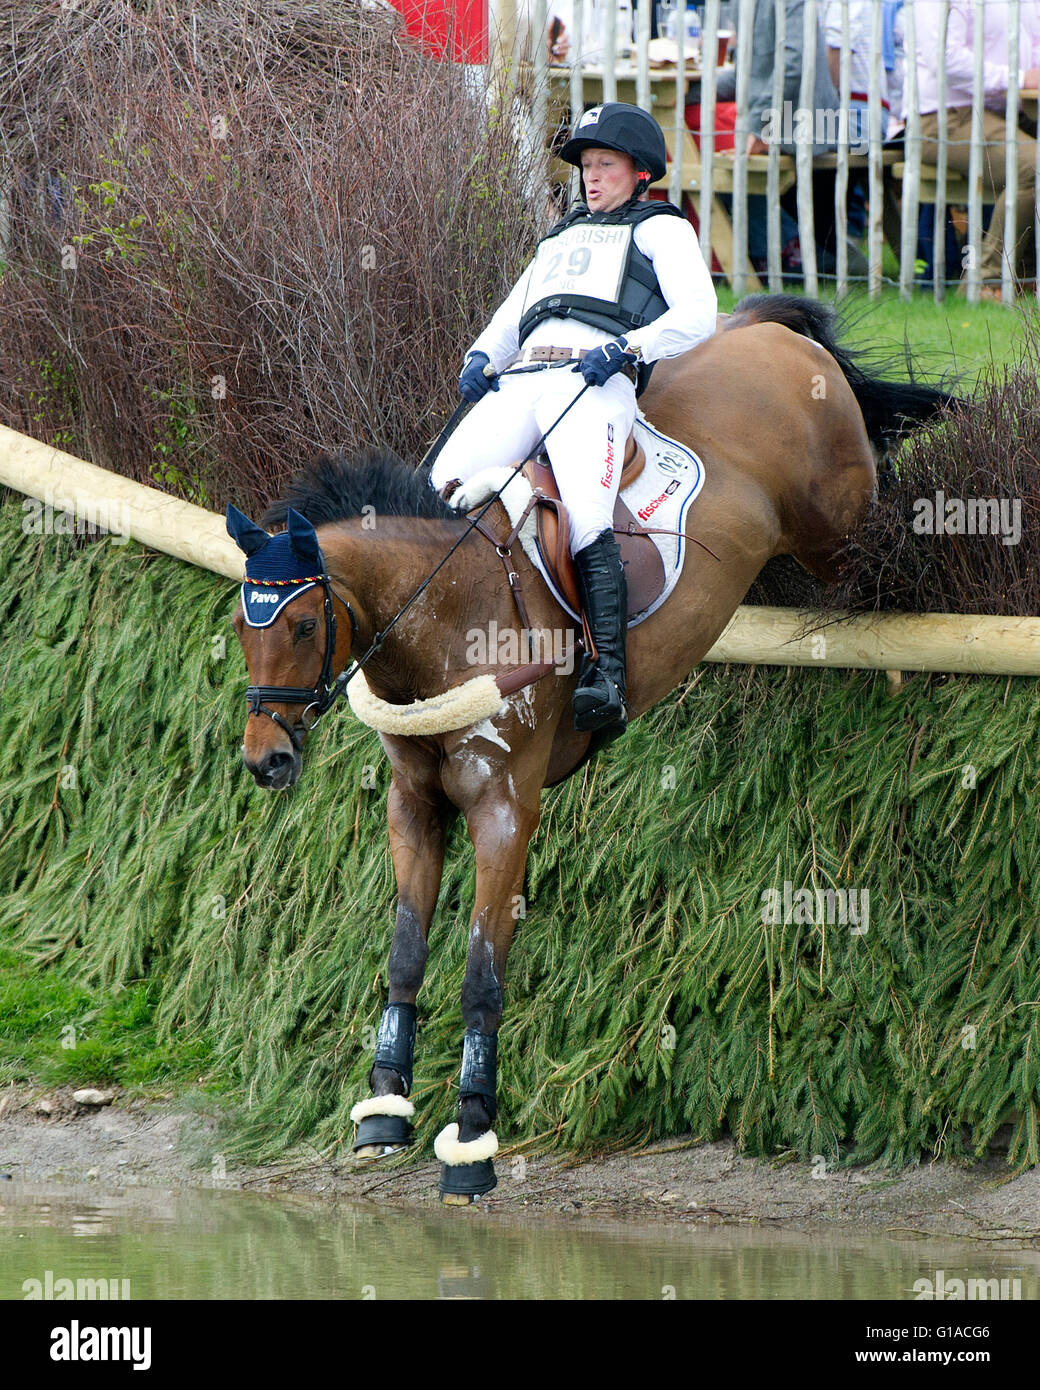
{"points": [[618, 126]]}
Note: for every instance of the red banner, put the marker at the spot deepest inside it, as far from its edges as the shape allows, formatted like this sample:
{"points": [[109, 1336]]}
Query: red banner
{"points": [[458, 32]]}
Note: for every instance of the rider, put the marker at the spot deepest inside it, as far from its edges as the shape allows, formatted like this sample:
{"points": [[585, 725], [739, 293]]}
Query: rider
{"points": [[616, 285]]}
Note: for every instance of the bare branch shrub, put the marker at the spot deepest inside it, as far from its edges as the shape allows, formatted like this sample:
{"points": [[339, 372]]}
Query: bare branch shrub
{"points": [[937, 540], [240, 234]]}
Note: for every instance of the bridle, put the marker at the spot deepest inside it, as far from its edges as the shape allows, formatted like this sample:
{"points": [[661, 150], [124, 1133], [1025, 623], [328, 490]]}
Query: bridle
{"points": [[321, 697], [324, 695]]}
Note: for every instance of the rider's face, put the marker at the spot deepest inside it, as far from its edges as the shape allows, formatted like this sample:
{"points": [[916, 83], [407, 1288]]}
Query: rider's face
{"points": [[610, 178]]}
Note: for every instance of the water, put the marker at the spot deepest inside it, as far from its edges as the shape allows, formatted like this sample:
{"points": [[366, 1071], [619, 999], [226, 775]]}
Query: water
{"points": [[218, 1245]]}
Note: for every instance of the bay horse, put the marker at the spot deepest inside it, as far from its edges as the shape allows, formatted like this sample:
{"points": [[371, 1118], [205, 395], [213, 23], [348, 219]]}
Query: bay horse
{"points": [[786, 425]]}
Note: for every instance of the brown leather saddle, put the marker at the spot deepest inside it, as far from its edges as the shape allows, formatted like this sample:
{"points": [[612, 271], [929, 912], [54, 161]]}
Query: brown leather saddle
{"points": [[644, 569]]}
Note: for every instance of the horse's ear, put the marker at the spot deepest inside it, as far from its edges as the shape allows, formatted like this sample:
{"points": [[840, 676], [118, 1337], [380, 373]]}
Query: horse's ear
{"points": [[303, 539], [245, 533]]}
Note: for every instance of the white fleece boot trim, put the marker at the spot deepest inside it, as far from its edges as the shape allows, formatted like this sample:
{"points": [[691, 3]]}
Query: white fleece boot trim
{"points": [[450, 1150], [382, 1105], [469, 703]]}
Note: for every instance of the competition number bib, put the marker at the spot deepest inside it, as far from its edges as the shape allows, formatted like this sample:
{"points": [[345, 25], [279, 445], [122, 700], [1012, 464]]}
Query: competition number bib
{"points": [[589, 261]]}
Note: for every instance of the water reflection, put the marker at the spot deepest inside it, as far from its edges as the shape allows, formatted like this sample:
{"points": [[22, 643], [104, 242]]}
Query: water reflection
{"points": [[215, 1245]]}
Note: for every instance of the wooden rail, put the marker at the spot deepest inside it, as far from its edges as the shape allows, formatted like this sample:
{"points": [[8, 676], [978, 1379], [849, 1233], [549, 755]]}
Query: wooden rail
{"points": [[760, 636]]}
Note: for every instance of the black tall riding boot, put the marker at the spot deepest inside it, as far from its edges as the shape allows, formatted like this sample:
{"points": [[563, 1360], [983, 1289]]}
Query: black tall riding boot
{"points": [[599, 700]]}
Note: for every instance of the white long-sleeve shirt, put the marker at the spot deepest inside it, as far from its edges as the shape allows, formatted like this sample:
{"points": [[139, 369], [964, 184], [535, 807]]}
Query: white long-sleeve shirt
{"points": [[859, 41], [960, 59], [671, 245]]}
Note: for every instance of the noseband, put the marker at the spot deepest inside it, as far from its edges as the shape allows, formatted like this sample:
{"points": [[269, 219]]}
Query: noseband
{"points": [[319, 698]]}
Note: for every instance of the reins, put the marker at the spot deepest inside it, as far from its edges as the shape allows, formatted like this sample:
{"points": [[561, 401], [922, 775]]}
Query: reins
{"points": [[324, 695], [377, 641]]}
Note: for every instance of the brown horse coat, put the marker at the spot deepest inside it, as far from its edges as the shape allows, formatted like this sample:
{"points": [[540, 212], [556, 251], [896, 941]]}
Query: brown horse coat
{"points": [[789, 469]]}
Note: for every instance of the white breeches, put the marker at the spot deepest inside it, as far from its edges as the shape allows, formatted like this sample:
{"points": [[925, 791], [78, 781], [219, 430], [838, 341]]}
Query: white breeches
{"points": [[587, 447]]}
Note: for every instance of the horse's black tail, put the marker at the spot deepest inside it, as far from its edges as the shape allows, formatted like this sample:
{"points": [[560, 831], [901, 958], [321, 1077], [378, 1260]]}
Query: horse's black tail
{"points": [[889, 408]]}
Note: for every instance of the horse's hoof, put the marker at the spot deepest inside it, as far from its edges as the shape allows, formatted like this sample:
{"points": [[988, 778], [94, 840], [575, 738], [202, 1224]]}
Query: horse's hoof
{"points": [[379, 1135], [466, 1181], [368, 1153]]}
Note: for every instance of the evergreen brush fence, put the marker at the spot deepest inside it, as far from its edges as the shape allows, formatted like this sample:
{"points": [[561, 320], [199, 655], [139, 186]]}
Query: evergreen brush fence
{"points": [[676, 969]]}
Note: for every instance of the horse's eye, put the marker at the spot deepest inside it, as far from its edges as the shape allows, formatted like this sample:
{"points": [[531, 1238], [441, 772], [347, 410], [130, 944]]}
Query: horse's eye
{"points": [[305, 628]]}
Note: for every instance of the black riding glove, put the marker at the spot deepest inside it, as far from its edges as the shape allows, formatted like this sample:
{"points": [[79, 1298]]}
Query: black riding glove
{"points": [[599, 365], [473, 384]]}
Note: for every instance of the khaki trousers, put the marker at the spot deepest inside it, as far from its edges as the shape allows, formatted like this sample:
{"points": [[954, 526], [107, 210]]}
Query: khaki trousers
{"points": [[994, 170]]}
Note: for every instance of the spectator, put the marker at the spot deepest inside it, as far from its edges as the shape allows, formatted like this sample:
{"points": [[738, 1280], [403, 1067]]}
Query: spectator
{"points": [[893, 59], [960, 66], [859, 69], [557, 35], [825, 102], [560, 21], [762, 119], [723, 142]]}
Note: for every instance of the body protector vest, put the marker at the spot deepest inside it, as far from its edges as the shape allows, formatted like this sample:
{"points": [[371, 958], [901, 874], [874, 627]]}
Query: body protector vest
{"points": [[589, 268]]}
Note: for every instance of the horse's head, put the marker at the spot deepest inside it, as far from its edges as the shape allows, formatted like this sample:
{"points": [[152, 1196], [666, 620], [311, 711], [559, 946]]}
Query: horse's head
{"points": [[293, 645]]}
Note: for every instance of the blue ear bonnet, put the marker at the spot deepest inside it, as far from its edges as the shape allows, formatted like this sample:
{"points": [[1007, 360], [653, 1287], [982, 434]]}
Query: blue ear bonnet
{"points": [[278, 568]]}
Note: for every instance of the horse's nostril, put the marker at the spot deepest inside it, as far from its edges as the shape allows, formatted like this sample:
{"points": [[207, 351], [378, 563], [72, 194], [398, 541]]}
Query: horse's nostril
{"points": [[275, 765]]}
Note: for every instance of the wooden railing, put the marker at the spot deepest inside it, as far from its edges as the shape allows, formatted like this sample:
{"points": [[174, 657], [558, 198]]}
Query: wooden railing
{"points": [[760, 636]]}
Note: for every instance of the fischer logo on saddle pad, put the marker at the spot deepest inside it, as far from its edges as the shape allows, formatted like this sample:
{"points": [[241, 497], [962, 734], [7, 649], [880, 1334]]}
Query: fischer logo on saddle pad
{"points": [[659, 499], [660, 496]]}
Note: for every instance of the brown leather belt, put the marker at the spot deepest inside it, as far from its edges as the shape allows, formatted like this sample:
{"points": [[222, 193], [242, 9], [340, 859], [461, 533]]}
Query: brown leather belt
{"points": [[548, 353]]}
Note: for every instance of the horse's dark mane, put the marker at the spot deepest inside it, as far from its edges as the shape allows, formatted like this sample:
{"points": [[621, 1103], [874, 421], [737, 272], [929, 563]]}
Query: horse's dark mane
{"points": [[333, 487]]}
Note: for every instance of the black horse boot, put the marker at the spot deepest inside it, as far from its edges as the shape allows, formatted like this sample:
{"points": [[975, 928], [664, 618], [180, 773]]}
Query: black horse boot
{"points": [[599, 700]]}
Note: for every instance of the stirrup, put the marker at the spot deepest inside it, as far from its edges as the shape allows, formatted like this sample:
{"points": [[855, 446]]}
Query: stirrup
{"points": [[597, 713]]}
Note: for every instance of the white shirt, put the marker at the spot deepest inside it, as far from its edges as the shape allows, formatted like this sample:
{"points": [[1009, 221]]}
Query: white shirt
{"points": [[671, 245], [859, 41], [960, 55]]}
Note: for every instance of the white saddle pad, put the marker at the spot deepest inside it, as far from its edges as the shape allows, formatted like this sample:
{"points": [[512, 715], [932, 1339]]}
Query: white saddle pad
{"points": [[660, 496]]}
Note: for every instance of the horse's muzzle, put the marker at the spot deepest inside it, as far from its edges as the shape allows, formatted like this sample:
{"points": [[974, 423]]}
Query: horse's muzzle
{"points": [[278, 769]]}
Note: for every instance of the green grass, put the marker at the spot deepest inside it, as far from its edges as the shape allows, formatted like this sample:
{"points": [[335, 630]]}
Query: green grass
{"points": [[56, 1031], [953, 336]]}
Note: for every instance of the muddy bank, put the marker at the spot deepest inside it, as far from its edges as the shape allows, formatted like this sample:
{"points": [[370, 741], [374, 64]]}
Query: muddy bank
{"points": [[45, 1137]]}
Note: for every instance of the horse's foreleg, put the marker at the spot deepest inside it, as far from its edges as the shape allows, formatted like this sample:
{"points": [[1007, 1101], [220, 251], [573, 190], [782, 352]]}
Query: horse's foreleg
{"points": [[418, 824], [500, 830]]}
